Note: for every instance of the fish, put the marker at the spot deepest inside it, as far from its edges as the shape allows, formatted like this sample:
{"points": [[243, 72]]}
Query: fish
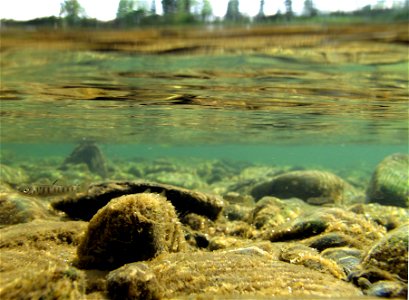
{"points": [[47, 190]]}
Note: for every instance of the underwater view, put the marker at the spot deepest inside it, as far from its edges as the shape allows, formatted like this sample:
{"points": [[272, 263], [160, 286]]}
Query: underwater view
{"points": [[217, 161]]}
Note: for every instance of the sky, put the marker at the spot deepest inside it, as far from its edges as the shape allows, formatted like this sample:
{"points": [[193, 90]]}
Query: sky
{"points": [[106, 9]]}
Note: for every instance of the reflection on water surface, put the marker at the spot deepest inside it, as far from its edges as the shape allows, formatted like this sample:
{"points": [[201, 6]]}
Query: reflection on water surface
{"points": [[294, 86]]}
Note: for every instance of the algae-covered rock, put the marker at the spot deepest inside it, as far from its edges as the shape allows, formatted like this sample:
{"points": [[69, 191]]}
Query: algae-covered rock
{"points": [[39, 233], [390, 181], [12, 174], [310, 258], [270, 212], [346, 257], [186, 180], [16, 208], [53, 283], [89, 153], [130, 228], [328, 227], [390, 254], [133, 282], [245, 273], [36, 260], [312, 186], [390, 217], [85, 205], [387, 289]]}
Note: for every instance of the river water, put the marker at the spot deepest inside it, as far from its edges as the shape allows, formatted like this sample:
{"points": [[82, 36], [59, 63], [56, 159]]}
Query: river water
{"points": [[323, 99]]}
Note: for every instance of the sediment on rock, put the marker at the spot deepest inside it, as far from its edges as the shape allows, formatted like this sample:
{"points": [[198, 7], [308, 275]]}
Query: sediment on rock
{"points": [[130, 228], [225, 274]]}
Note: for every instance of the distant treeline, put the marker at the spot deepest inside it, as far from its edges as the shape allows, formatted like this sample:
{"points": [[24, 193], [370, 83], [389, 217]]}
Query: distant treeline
{"points": [[131, 13]]}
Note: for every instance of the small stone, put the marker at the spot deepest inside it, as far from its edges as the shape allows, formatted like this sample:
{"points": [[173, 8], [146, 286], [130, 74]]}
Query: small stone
{"points": [[330, 240], [308, 257], [133, 281], [130, 228], [347, 258], [270, 212], [390, 181], [236, 198], [234, 212], [387, 289]]}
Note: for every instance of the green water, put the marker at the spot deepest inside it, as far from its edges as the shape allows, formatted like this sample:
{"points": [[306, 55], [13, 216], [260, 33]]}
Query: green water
{"points": [[259, 108]]}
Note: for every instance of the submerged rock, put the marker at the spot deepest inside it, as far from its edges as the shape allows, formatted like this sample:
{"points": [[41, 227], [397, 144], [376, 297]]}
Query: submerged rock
{"points": [[245, 272], [390, 217], [310, 258], [39, 233], [390, 254], [54, 283], [390, 181], [328, 227], [270, 212], [347, 258], [383, 271], [89, 154], [36, 260], [387, 289], [85, 205], [133, 281], [12, 175], [130, 228], [16, 208], [312, 186]]}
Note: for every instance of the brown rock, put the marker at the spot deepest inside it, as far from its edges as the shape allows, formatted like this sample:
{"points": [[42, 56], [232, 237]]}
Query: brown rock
{"points": [[130, 228], [85, 205], [240, 272], [312, 186]]}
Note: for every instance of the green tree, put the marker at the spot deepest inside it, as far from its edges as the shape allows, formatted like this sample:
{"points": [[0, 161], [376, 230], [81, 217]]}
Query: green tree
{"points": [[261, 10], [153, 7], [206, 11], [169, 7], [187, 6], [380, 4], [288, 9], [72, 12], [309, 8], [233, 13], [125, 7]]}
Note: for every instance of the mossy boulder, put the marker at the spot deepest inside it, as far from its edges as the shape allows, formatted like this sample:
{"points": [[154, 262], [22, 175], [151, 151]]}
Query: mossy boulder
{"points": [[130, 228], [312, 186], [390, 181]]}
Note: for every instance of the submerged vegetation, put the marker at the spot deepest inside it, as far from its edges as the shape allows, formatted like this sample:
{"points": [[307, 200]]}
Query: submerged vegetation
{"points": [[132, 13]]}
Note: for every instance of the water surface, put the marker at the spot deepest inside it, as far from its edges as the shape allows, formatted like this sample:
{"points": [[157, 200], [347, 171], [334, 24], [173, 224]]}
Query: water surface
{"points": [[311, 98]]}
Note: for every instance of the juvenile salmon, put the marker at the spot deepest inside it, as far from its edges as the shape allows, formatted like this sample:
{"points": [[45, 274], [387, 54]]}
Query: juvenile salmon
{"points": [[48, 189]]}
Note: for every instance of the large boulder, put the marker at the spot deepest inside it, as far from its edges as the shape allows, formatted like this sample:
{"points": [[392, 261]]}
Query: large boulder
{"points": [[390, 181], [312, 186], [130, 228]]}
